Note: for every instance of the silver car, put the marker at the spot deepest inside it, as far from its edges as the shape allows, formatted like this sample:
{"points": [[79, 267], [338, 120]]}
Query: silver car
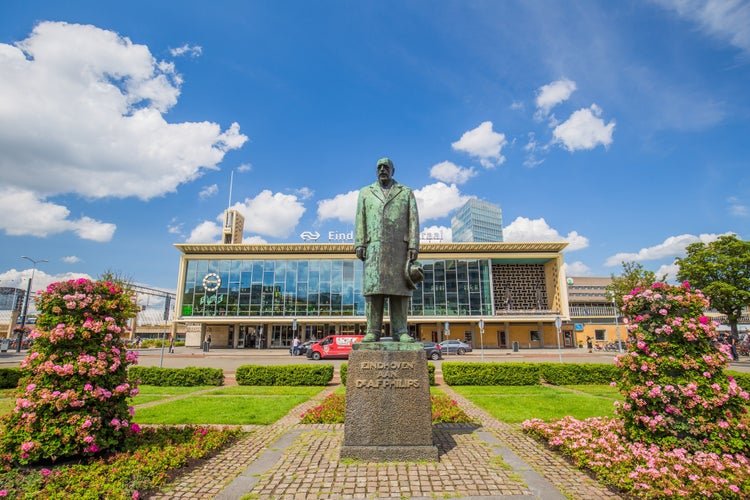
{"points": [[454, 347]]}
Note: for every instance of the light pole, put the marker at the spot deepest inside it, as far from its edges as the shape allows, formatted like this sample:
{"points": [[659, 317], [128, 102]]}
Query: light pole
{"points": [[558, 325], [26, 301], [481, 336], [617, 324]]}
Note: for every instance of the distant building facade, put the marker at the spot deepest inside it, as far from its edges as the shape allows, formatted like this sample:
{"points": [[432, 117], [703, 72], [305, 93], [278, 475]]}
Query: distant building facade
{"points": [[478, 221]]}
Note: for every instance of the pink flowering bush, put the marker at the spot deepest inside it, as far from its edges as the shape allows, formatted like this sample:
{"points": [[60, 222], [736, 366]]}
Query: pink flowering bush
{"points": [[73, 394], [682, 431], [676, 394]]}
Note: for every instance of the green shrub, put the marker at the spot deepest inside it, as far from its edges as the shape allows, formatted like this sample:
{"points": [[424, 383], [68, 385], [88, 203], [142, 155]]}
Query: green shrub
{"points": [[458, 373], [578, 374], [176, 377], [430, 373], [9, 377], [743, 379], [289, 375]]}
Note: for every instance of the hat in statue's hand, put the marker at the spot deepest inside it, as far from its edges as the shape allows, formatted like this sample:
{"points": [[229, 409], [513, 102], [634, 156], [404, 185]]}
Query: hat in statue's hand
{"points": [[413, 273]]}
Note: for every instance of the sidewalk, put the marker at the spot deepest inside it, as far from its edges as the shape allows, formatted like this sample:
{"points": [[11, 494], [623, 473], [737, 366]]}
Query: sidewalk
{"points": [[288, 460]]}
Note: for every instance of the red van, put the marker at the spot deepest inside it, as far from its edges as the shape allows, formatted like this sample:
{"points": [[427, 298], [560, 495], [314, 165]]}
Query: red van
{"points": [[333, 346]]}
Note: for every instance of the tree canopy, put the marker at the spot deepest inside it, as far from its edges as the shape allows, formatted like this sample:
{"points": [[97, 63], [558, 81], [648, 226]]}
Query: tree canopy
{"points": [[721, 269], [633, 276]]}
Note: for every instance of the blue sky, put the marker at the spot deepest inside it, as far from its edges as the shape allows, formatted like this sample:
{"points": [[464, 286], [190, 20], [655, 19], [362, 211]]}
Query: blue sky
{"points": [[621, 127]]}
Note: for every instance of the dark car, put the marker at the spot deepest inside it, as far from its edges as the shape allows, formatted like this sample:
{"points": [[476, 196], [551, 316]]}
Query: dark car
{"points": [[303, 347], [432, 351], [454, 347]]}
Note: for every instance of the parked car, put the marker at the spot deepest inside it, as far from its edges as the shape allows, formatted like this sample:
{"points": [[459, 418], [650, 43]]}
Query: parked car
{"points": [[454, 347], [333, 346], [432, 350], [303, 347]]}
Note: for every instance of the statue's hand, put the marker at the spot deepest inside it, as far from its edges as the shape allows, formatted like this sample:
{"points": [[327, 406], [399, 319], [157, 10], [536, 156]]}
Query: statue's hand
{"points": [[412, 254], [361, 252]]}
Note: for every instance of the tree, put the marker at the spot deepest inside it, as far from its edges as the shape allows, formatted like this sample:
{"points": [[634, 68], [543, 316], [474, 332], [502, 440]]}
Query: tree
{"points": [[721, 269], [633, 276]]}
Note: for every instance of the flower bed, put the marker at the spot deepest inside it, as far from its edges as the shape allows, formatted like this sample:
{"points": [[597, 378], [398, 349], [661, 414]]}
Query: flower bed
{"points": [[150, 457], [647, 471], [333, 408]]}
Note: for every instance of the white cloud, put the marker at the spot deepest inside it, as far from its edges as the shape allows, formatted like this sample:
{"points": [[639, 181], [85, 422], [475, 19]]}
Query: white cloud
{"points": [[270, 214], [670, 270], [436, 233], [342, 207], [304, 193], [174, 226], [576, 268], [24, 213], [245, 167], [532, 148], [550, 95], [71, 259], [438, 200], [523, 229], [254, 240], [205, 232], [483, 143], [736, 208], [450, 172], [19, 279], [673, 246], [190, 50], [727, 20], [584, 130], [208, 191], [83, 114]]}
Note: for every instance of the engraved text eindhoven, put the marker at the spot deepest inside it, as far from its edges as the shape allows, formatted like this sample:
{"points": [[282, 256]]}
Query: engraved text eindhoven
{"points": [[385, 376]]}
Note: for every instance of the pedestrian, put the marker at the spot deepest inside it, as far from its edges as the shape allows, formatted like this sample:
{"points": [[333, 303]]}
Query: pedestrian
{"points": [[208, 342], [733, 347], [589, 344], [171, 344], [295, 346]]}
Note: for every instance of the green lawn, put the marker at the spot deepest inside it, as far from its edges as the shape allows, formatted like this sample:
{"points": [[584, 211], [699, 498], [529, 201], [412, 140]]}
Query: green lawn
{"points": [[518, 403], [238, 405], [7, 400]]}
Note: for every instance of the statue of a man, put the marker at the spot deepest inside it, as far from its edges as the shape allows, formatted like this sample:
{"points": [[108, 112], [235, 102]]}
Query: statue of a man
{"points": [[386, 238]]}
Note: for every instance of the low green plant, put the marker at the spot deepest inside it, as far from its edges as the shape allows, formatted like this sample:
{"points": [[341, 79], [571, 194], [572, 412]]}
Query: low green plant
{"points": [[288, 375], [176, 377], [332, 410], [457, 373], [9, 377], [148, 459]]}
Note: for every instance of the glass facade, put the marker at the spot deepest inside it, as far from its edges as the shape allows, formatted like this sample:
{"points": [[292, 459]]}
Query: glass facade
{"points": [[477, 221], [324, 287]]}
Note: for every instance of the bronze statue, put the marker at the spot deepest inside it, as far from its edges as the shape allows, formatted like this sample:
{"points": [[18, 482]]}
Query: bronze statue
{"points": [[386, 238]]}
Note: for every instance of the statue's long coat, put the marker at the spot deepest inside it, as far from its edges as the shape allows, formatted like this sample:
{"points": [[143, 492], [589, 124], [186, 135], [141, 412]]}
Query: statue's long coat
{"points": [[387, 227]]}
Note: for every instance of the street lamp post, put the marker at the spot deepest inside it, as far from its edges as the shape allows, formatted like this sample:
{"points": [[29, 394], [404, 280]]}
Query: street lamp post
{"points": [[26, 301], [481, 336], [617, 324], [558, 325]]}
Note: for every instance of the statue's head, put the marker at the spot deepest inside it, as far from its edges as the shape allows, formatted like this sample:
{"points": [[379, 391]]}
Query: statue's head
{"points": [[385, 169]]}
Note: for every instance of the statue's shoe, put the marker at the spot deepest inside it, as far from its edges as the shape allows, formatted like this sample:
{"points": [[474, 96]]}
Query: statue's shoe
{"points": [[405, 337], [370, 337]]}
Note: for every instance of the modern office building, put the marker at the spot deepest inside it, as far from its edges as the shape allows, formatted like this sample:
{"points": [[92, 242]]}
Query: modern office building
{"points": [[489, 294], [477, 221]]}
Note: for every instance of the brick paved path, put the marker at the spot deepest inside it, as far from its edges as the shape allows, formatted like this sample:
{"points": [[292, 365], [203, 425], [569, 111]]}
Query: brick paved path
{"points": [[288, 460]]}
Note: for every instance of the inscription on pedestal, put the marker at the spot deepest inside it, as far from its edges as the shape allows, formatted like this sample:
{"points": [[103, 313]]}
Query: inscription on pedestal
{"points": [[388, 409]]}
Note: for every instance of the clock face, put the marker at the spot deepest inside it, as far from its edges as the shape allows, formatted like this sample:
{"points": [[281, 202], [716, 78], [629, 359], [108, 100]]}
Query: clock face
{"points": [[211, 282]]}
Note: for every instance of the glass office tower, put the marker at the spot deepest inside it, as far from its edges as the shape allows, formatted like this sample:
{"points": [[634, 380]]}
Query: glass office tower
{"points": [[477, 221]]}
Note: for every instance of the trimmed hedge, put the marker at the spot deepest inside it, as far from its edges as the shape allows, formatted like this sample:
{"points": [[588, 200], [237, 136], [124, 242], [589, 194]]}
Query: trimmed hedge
{"points": [[9, 378], [458, 373], [430, 373], [176, 377], [578, 373], [290, 375], [528, 373]]}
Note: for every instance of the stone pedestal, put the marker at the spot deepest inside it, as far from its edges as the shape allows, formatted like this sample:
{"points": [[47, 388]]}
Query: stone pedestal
{"points": [[388, 409]]}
